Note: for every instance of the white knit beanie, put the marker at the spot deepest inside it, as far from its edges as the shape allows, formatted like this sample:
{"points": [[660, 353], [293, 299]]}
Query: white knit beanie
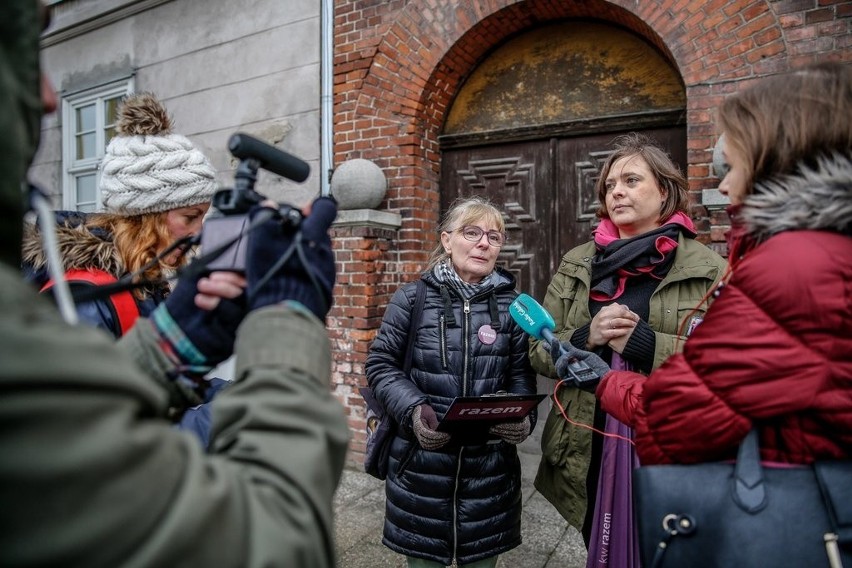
{"points": [[147, 169]]}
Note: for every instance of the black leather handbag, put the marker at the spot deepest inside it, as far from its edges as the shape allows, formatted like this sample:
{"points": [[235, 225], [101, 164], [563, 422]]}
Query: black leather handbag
{"points": [[380, 432], [744, 514]]}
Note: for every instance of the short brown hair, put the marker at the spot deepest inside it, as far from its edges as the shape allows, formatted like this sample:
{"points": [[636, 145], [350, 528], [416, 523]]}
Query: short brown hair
{"points": [[789, 120], [668, 176]]}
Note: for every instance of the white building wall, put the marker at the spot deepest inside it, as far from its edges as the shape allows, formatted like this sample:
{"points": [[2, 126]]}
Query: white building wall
{"points": [[219, 66]]}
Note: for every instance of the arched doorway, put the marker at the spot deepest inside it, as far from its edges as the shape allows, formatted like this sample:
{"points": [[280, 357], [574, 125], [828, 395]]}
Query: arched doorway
{"points": [[531, 125]]}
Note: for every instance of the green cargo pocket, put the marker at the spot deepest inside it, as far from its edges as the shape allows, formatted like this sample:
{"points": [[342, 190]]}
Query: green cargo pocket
{"points": [[554, 438]]}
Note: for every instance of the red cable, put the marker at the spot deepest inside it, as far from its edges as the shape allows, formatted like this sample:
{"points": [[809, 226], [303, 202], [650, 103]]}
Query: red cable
{"points": [[580, 424]]}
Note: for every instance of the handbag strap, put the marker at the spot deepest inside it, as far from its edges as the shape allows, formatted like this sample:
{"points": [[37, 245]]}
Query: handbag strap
{"points": [[416, 311], [832, 477], [419, 301], [748, 492], [749, 489]]}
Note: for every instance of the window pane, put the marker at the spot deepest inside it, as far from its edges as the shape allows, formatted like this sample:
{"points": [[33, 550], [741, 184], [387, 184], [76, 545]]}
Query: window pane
{"points": [[111, 110], [87, 196], [108, 134], [85, 146], [110, 116], [85, 118]]}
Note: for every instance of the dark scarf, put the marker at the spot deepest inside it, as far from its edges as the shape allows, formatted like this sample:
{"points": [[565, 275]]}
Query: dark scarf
{"points": [[650, 254]]}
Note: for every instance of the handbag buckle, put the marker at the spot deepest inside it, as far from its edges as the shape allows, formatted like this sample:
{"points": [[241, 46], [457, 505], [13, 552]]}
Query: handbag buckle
{"points": [[674, 525], [679, 524]]}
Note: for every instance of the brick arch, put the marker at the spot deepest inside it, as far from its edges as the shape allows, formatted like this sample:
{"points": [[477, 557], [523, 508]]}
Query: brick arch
{"points": [[399, 63], [394, 106]]}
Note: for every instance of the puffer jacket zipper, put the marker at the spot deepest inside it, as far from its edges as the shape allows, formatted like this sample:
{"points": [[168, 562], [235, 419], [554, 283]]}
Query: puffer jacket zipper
{"points": [[466, 327], [442, 339], [465, 380], [455, 506], [466, 344]]}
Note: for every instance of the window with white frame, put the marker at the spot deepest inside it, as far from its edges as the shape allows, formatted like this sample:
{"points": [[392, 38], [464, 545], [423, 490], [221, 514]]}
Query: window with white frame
{"points": [[88, 125]]}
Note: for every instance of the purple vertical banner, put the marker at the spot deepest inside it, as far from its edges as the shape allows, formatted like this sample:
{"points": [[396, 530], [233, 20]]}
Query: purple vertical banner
{"points": [[614, 541]]}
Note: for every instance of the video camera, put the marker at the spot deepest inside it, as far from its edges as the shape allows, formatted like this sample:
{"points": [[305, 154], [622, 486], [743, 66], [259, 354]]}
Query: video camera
{"points": [[224, 238], [225, 235]]}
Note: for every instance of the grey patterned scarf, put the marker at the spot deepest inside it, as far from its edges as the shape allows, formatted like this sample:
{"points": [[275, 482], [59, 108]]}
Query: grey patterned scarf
{"points": [[446, 273]]}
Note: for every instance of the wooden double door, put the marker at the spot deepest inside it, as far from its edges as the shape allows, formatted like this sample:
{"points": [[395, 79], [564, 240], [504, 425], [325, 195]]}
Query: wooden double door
{"points": [[545, 189]]}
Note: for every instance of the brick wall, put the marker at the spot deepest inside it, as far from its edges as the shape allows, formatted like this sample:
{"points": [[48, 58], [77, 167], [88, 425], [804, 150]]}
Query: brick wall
{"points": [[399, 63], [368, 271]]}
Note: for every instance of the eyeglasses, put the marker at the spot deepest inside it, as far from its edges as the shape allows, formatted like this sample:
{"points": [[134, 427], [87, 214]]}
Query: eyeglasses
{"points": [[474, 234]]}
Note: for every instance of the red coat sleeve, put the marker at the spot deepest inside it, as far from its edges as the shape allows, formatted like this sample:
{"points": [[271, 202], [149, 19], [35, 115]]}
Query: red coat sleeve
{"points": [[757, 355], [620, 393]]}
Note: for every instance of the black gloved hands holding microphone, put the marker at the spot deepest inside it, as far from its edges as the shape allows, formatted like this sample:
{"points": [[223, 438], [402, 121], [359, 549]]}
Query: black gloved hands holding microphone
{"points": [[285, 261]]}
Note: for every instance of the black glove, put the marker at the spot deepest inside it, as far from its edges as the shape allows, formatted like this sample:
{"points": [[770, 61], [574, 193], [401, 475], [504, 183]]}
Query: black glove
{"points": [[307, 274], [514, 432], [199, 339], [424, 421], [582, 369]]}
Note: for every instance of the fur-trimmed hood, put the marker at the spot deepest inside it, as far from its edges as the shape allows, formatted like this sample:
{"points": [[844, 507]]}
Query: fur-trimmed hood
{"points": [[818, 198], [79, 247]]}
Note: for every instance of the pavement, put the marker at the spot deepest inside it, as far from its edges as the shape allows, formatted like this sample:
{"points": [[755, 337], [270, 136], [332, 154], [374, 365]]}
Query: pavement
{"points": [[548, 541]]}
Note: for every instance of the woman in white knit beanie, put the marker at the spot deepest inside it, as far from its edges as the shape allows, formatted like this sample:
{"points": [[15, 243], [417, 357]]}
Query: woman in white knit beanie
{"points": [[155, 178], [156, 188]]}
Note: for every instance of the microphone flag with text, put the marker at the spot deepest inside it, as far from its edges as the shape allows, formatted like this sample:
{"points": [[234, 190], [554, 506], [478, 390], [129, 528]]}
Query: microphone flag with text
{"points": [[537, 322]]}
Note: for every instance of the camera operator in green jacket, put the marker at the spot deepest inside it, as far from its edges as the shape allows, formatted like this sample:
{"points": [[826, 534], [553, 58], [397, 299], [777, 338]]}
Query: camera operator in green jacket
{"points": [[91, 471]]}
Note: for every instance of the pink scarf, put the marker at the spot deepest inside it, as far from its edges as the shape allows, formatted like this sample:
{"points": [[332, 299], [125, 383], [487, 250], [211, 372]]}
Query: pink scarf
{"points": [[618, 259]]}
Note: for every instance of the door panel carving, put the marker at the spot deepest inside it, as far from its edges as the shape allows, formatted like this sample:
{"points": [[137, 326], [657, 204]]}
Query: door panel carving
{"points": [[587, 173]]}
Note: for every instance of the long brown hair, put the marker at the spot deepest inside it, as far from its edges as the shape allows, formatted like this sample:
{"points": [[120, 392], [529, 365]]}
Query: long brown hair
{"points": [[788, 120], [137, 239], [668, 176]]}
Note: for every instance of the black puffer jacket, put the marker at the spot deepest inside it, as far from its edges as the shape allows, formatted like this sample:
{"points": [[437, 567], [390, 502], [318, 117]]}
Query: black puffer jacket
{"points": [[464, 500]]}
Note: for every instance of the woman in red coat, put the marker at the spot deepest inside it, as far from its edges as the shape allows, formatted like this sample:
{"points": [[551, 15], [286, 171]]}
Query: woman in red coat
{"points": [[775, 348]]}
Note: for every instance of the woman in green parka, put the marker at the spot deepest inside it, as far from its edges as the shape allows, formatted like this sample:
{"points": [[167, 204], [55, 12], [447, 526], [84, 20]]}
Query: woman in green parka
{"points": [[634, 292]]}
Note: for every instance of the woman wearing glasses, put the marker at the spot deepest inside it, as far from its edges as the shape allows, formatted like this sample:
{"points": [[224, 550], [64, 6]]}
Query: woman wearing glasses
{"points": [[631, 296], [453, 497]]}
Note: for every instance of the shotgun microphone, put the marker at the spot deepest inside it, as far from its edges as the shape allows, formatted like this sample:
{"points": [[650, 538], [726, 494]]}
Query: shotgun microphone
{"points": [[277, 161], [537, 322]]}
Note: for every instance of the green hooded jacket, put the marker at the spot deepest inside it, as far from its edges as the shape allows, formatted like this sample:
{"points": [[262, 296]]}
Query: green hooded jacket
{"points": [[92, 473]]}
